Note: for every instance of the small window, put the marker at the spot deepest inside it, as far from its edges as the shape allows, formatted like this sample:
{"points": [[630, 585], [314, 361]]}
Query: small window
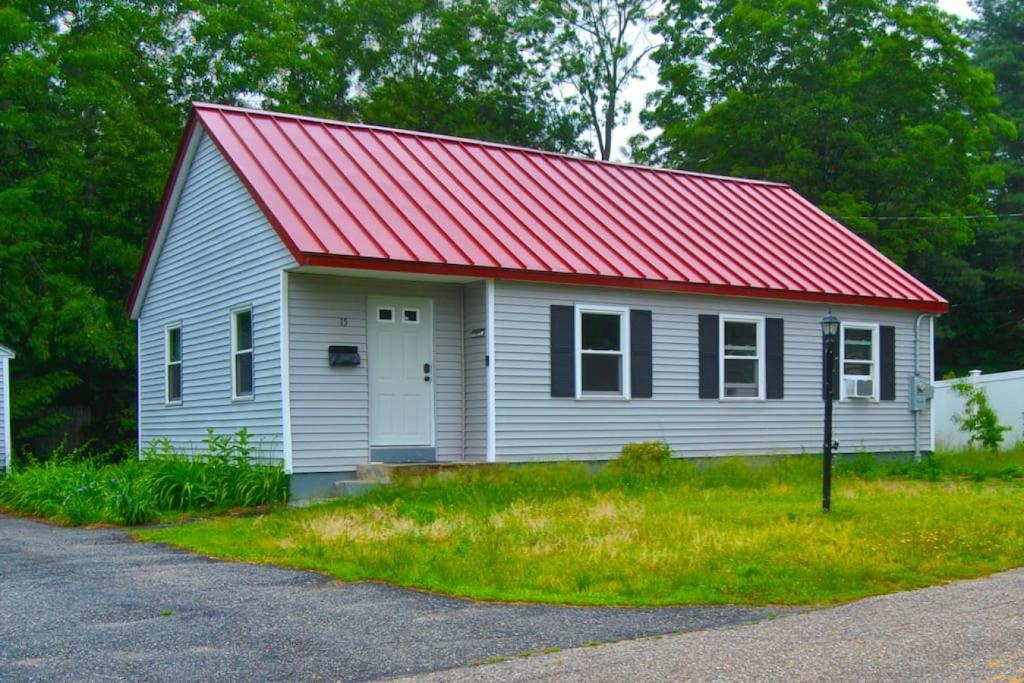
{"points": [[386, 314], [172, 356], [741, 358], [410, 315], [241, 352], [858, 361], [603, 360]]}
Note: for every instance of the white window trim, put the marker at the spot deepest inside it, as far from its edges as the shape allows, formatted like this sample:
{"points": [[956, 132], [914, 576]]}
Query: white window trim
{"points": [[394, 314], [235, 396], [167, 363], [736, 318], [623, 313], [874, 360], [410, 322]]}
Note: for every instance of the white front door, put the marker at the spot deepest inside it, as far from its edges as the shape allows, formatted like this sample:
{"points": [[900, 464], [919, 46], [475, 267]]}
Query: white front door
{"points": [[400, 361]]}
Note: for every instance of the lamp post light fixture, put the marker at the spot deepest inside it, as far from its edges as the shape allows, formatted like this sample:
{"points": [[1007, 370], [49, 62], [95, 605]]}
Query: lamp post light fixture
{"points": [[830, 341]]}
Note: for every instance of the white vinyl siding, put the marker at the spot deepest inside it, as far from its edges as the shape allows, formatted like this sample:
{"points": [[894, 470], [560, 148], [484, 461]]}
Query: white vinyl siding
{"points": [[330, 405], [220, 251], [531, 425]]}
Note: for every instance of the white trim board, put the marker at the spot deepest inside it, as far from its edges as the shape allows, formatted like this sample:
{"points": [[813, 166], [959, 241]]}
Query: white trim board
{"points": [[286, 391], [492, 414]]}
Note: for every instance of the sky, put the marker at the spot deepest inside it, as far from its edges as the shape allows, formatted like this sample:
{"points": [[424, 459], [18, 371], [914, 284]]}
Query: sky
{"points": [[638, 89]]}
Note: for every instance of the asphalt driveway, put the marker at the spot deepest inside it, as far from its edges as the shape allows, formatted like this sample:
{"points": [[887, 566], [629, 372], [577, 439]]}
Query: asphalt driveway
{"points": [[88, 604], [964, 631]]}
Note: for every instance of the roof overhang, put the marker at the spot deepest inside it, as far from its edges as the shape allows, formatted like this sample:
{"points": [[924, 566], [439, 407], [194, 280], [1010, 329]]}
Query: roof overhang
{"points": [[451, 270]]}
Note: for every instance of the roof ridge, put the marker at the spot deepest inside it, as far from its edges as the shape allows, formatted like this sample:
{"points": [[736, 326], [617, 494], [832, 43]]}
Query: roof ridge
{"points": [[485, 143]]}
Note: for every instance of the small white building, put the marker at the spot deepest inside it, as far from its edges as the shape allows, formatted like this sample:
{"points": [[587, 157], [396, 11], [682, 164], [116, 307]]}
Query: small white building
{"points": [[1005, 391], [5, 408]]}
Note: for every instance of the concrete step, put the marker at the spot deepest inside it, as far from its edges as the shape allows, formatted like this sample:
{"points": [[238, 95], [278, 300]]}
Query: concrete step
{"points": [[354, 488], [383, 472]]}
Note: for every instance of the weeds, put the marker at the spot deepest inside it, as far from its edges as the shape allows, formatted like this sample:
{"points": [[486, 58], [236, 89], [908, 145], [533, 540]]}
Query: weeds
{"points": [[74, 491], [736, 530]]}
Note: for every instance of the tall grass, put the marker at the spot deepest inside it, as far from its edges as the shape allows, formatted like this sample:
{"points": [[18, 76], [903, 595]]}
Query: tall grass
{"points": [[653, 531], [79, 491]]}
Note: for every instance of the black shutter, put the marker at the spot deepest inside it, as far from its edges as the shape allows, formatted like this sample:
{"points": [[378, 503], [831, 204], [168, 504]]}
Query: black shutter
{"points": [[563, 351], [640, 355], [887, 363], [774, 350], [707, 340]]}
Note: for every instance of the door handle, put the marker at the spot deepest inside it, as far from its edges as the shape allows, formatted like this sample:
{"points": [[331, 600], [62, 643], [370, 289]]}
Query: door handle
{"points": [[426, 368]]}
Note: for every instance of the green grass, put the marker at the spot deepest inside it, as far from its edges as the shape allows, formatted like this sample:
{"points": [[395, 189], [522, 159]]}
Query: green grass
{"points": [[737, 532], [76, 491]]}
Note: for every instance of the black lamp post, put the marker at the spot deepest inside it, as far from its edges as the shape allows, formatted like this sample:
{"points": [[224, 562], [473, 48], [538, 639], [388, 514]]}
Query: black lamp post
{"points": [[830, 340]]}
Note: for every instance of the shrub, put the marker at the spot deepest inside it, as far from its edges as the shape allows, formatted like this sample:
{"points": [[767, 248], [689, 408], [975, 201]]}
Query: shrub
{"points": [[978, 418], [649, 459], [75, 491]]}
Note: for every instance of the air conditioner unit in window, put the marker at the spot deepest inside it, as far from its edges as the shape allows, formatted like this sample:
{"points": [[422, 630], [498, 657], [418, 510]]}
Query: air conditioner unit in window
{"points": [[859, 388]]}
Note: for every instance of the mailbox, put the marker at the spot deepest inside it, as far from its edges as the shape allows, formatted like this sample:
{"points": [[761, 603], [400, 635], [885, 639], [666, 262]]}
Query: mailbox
{"points": [[343, 355]]}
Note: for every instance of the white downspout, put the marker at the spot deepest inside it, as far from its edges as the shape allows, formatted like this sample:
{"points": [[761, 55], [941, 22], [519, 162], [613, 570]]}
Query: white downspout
{"points": [[917, 354]]}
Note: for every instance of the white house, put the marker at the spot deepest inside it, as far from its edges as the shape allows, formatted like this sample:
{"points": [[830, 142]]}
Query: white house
{"points": [[5, 407], [352, 294]]}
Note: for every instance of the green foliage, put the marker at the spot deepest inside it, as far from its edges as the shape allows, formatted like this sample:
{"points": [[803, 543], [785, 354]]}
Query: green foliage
{"points": [[645, 459], [76, 490], [732, 531], [986, 328], [979, 420], [868, 107], [600, 48], [93, 98]]}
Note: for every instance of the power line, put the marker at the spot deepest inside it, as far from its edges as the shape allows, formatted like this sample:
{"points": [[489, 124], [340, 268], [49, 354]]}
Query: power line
{"points": [[930, 218]]}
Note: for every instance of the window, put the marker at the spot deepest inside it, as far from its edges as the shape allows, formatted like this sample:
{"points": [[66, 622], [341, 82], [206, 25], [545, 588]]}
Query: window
{"points": [[172, 359], [410, 315], [858, 360], [602, 360], [742, 369], [241, 353], [386, 314]]}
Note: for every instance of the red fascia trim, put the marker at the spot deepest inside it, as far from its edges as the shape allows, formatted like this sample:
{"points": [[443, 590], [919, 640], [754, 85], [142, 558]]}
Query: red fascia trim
{"points": [[362, 263], [172, 179]]}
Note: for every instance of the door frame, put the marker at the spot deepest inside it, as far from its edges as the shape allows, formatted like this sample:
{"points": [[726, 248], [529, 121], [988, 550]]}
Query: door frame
{"points": [[372, 303]]}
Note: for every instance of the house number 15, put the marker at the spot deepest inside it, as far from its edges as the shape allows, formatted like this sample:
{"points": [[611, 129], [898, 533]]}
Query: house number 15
{"points": [[343, 321]]}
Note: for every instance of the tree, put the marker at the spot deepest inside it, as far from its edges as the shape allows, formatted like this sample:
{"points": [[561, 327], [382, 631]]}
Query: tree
{"points": [[870, 108], [461, 67], [986, 330], [87, 131], [93, 98], [602, 45]]}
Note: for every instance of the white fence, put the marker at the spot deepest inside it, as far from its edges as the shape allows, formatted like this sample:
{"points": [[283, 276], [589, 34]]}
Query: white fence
{"points": [[1005, 392]]}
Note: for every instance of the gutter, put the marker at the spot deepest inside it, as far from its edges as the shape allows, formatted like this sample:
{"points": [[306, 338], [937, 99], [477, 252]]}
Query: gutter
{"points": [[917, 354]]}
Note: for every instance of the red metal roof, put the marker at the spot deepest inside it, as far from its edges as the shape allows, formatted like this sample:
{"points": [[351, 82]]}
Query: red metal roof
{"points": [[358, 196]]}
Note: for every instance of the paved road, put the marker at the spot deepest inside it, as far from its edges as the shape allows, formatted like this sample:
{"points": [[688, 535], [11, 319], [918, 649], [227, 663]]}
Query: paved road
{"points": [[968, 631], [78, 604]]}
